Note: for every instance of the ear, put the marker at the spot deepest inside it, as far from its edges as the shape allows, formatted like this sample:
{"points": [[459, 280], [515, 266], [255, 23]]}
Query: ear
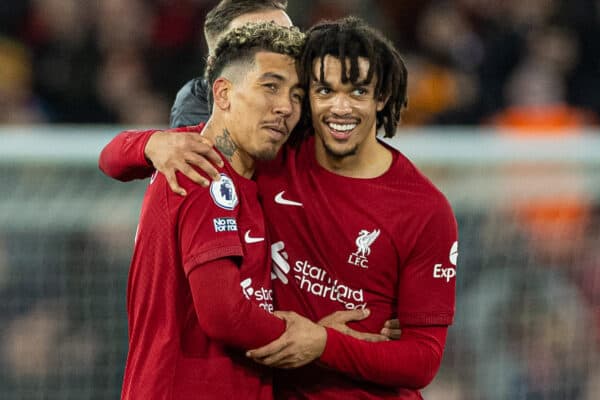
{"points": [[221, 91]]}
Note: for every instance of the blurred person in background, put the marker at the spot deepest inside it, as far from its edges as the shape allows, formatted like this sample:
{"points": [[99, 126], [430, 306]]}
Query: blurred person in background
{"points": [[132, 83], [74, 44], [18, 105], [536, 91], [442, 71], [123, 73], [505, 37], [65, 60]]}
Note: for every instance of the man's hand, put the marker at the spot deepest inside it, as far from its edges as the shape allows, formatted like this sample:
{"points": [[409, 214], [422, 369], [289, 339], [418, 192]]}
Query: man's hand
{"points": [[302, 342], [339, 319], [391, 329], [170, 151]]}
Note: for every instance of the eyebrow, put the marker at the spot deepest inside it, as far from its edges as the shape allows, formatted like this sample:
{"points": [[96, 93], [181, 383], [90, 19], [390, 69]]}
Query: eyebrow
{"points": [[272, 75], [358, 83]]}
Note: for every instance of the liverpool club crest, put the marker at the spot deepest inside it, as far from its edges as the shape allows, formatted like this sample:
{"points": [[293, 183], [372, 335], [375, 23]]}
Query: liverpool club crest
{"points": [[363, 248]]}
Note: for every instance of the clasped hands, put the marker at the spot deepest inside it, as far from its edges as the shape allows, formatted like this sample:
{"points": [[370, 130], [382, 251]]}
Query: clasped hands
{"points": [[304, 341]]}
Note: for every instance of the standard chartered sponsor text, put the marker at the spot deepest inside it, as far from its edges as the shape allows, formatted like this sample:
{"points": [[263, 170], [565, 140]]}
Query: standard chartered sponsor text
{"points": [[316, 281], [264, 298]]}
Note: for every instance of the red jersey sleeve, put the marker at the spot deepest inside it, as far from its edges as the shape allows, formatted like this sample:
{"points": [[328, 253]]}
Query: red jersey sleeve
{"points": [[426, 293], [410, 362], [123, 157], [207, 226], [223, 311]]}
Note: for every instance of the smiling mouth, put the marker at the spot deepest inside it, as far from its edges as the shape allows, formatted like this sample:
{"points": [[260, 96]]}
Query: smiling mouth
{"points": [[341, 131]]}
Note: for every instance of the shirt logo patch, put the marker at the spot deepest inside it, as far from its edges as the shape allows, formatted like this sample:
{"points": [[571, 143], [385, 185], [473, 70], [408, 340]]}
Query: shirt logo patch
{"points": [[363, 248], [280, 200], [454, 253], [247, 289], [223, 193], [263, 296], [439, 272], [225, 224], [249, 239], [281, 267]]}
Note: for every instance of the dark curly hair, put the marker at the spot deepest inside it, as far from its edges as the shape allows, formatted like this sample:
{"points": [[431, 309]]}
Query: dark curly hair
{"points": [[351, 38], [242, 43]]}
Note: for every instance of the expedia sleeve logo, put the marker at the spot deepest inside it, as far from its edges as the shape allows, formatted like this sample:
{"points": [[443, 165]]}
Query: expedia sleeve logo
{"points": [[223, 193], [447, 273]]}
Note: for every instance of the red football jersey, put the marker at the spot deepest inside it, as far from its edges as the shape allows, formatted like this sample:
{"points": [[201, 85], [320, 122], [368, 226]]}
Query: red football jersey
{"points": [[170, 357], [340, 243]]}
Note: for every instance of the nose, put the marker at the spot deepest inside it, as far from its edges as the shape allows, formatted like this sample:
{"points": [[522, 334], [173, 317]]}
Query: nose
{"points": [[341, 105], [283, 106]]}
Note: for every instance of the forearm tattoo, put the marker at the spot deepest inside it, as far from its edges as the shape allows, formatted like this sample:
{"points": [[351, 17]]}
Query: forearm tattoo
{"points": [[225, 144]]}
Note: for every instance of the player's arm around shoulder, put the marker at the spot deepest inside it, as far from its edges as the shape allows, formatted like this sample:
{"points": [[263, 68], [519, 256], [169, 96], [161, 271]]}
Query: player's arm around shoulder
{"points": [[123, 157], [180, 150]]}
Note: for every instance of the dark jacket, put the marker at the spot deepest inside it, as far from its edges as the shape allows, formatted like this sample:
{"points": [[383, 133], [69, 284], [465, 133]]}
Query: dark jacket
{"points": [[191, 104]]}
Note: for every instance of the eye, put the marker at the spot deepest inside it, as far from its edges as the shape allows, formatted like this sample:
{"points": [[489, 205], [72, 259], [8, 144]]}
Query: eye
{"points": [[359, 92], [271, 86], [323, 90]]}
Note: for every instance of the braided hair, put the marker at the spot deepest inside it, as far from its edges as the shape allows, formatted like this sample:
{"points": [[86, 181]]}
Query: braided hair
{"points": [[350, 38]]}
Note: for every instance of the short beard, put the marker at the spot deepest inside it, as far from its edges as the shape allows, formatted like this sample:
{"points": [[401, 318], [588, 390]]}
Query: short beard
{"points": [[266, 154], [339, 155]]}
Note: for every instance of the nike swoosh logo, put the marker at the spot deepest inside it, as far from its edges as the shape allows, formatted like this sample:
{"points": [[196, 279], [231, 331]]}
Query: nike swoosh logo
{"points": [[280, 200], [250, 239]]}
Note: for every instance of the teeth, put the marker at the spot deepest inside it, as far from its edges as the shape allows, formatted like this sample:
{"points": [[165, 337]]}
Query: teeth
{"points": [[342, 127]]}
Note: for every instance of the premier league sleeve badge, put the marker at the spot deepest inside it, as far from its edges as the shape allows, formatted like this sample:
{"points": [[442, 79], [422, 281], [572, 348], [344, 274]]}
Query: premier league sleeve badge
{"points": [[223, 193]]}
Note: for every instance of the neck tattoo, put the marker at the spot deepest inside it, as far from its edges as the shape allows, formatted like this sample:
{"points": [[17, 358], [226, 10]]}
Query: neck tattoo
{"points": [[225, 145]]}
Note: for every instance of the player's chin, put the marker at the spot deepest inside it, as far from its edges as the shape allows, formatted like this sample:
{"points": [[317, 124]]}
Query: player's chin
{"points": [[340, 150], [268, 151]]}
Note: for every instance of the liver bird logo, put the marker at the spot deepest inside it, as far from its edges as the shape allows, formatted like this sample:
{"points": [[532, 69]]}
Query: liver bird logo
{"points": [[364, 241]]}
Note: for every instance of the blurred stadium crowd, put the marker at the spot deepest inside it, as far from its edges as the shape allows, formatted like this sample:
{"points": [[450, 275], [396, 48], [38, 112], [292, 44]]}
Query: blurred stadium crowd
{"points": [[471, 62]]}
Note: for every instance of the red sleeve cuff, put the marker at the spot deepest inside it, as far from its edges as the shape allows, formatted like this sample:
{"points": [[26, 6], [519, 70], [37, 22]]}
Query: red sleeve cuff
{"points": [[426, 319], [332, 346]]}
